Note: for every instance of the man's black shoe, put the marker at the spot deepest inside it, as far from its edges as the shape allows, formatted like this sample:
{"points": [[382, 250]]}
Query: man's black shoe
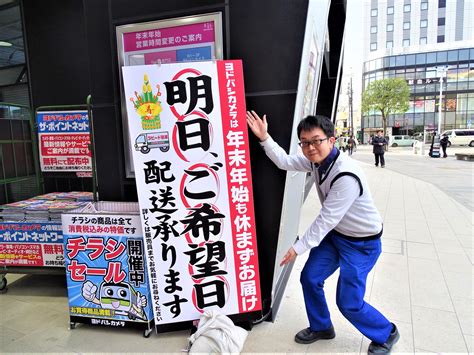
{"points": [[375, 348], [307, 336]]}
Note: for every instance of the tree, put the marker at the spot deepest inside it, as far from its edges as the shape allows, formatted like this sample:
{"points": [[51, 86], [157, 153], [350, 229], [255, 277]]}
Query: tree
{"points": [[389, 96]]}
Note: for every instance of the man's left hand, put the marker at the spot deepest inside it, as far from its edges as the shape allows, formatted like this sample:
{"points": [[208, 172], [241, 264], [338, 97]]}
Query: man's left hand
{"points": [[289, 256]]}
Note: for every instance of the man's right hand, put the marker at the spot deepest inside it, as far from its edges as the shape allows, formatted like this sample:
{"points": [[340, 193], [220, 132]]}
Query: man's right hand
{"points": [[258, 126]]}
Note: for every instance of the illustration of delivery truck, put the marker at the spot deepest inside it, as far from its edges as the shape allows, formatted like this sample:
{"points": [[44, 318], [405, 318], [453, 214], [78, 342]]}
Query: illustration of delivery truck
{"points": [[147, 141]]}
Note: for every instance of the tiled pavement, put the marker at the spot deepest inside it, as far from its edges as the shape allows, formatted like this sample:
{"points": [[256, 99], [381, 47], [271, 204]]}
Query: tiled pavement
{"points": [[423, 282]]}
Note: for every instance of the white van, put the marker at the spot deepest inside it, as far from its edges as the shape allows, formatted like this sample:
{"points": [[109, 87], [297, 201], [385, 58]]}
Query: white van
{"points": [[147, 141], [462, 136], [401, 141]]}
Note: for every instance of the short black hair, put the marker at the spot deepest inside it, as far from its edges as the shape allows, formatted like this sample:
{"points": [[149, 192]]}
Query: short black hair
{"points": [[310, 122]]}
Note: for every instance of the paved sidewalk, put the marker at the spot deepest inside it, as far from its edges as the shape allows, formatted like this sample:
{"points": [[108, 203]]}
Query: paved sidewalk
{"points": [[422, 282]]}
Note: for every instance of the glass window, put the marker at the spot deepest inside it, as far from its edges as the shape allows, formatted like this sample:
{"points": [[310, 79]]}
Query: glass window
{"points": [[400, 60], [463, 54], [421, 58], [452, 76], [441, 21], [390, 27], [373, 46], [407, 8], [441, 3], [431, 58], [389, 44], [423, 40], [462, 85], [410, 73], [390, 10], [453, 56], [431, 72], [378, 63], [440, 39], [410, 59], [386, 62], [373, 29], [424, 23], [406, 25], [374, 12], [406, 42], [424, 6], [441, 56], [471, 55], [392, 61], [449, 119]]}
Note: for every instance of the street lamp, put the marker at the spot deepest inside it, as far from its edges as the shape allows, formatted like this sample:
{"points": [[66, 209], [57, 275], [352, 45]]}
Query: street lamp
{"points": [[441, 72], [350, 93]]}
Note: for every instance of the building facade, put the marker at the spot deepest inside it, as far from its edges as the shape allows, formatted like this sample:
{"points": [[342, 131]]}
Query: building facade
{"points": [[419, 69], [424, 42], [394, 24]]}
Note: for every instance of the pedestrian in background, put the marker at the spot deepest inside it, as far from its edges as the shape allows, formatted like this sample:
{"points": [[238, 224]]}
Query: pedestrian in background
{"points": [[345, 235], [379, 142], [444, 144], [351, 144]]}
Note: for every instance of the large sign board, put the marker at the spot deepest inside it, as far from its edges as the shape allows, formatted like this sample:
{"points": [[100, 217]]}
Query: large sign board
{"points": [[64, 141], [183, 39], [190, 150]]}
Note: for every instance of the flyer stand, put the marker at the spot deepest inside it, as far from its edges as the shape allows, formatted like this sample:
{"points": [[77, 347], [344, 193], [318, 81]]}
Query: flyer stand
{"points": [[106, 272], [31, 240], [52, 129], [65, 137]]}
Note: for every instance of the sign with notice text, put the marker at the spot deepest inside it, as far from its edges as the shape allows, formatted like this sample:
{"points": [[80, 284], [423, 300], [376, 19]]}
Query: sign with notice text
{"points": [[64, 141], [187, 125], [31, 244]]}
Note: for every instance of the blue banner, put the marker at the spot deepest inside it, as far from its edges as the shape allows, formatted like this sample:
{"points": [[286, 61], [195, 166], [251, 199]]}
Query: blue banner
{"points": [[107, 279], [63, 122], [30, 232]]}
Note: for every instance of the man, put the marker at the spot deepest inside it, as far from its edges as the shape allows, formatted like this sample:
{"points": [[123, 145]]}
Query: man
{"points": [[345, 235], [379, 143], [444, 144], [351, 144]]}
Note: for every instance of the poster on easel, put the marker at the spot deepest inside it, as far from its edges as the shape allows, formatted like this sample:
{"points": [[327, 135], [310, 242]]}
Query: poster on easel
{"points": [[105, 267], [187, 125]]}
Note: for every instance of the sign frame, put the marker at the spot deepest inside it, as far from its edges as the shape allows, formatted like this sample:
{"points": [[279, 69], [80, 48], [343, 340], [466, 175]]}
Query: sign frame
{"points": [[192, 201], [122, 30]]}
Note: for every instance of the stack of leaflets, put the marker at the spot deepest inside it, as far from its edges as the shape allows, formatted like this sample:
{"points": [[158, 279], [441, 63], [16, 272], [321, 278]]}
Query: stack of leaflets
{"points": [[44, 208], [58, 207], [15, 212], [73, 196]]}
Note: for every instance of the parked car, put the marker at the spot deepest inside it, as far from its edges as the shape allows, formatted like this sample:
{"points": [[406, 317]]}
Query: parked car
{"points": [[460, 137], [401, 141]]}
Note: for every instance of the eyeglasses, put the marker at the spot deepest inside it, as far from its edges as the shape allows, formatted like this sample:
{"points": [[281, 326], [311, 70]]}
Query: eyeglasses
{"points": [[314, 142]]}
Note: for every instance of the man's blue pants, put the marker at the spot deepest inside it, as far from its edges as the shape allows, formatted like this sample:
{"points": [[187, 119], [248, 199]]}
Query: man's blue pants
{"points": [[355, 260]]}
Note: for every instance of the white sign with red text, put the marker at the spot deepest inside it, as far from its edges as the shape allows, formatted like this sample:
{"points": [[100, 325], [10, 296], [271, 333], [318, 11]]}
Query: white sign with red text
{"points": [[191, 157]]}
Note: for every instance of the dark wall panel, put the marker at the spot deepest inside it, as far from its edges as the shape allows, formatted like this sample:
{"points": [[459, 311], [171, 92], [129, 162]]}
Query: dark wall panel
{"points": [[58, 58], [149, 9], [269, 181], [100, 43], [109, 148], [268, 37]]}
